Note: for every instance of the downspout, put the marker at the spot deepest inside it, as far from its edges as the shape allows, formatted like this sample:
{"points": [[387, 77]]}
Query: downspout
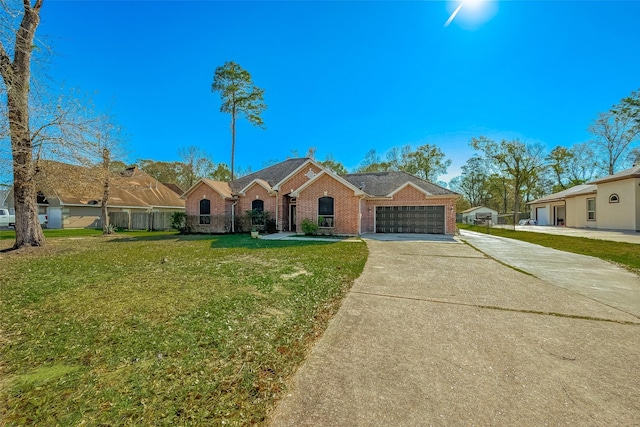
{"points": [[360, 215], [277, 219], [233, 216]]}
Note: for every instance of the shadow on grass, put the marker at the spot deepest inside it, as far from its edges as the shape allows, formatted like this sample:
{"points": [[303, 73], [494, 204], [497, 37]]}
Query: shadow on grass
{"points": [[218, 241], [245, 241]]}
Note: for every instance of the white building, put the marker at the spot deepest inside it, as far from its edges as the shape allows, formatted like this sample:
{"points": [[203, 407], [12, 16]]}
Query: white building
{"points": [[610, 203]]}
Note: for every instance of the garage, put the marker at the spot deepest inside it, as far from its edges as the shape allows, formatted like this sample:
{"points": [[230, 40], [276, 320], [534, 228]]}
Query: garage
{"points": [[410, 219]]}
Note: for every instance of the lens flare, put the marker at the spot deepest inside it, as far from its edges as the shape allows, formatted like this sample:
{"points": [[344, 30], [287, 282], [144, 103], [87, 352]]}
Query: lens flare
{"points": [[474, 4]]}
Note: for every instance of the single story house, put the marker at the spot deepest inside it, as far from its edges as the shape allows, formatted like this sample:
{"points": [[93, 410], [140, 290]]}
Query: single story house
{"points": [[71, 197], [479, 213], [609, 203], [300, 188]]}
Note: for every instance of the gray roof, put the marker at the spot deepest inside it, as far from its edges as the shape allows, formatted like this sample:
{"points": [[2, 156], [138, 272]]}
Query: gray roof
{"points": [[273, 174], [633, 172], [381, 184], [569, 192]]}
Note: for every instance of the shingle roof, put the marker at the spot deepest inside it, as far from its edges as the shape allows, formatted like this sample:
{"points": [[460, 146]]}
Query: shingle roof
{"points": [[272, 175], [221, 187], [576, 190], [174, 187], [78, 185], [633, 172], [381, 184]]}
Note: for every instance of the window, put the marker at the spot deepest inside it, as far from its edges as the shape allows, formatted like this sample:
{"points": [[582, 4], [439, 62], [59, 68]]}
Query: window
{"points": [[205, 211], [614, 198], [257, 205], [258, 215], [325, 212], [591, 209]]}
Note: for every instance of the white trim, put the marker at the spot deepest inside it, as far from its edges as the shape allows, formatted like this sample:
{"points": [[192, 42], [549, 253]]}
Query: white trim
{"points": [[204, 181], [296, 170], [356, 190], [409, 183], [99, 206], [261, 182]]}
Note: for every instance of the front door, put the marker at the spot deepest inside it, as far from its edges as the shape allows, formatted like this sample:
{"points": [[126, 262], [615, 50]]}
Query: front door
{"points": [[292, 218]]}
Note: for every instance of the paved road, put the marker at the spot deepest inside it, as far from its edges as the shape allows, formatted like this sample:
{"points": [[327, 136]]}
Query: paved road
{"points": [[437, 333]]}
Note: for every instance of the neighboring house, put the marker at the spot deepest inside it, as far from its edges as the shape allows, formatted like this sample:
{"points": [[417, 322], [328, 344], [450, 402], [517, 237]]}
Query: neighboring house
{"points": [[298, 189], [71, 197], [612, 203], [174, 187], [3, 197], [480, 214]]}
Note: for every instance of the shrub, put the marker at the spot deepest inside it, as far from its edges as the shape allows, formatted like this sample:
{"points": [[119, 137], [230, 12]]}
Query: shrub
{"points": [[309, 227], [178, 220]]}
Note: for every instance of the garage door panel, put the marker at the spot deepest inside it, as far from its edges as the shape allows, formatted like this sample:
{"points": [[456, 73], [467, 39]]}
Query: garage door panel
{"points": [[410, 219]]}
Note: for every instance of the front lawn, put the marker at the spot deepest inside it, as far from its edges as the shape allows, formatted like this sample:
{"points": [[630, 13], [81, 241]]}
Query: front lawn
{"points": [[161, 329], [624, 254]]}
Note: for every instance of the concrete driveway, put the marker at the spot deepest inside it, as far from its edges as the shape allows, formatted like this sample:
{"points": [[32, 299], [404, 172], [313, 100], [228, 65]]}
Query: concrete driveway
{"points": [[437, 333], [613, 235]]}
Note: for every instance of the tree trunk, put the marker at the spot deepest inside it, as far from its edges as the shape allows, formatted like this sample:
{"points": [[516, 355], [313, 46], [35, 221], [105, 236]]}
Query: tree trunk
{"points": [[105, 191], [17, 76], [233, 141]]}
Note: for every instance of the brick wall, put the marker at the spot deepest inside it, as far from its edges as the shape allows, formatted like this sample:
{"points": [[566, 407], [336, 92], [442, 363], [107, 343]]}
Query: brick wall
{"points": [[291, 184], [220, 208], [409, 196], [256, 192], [345, 205]]}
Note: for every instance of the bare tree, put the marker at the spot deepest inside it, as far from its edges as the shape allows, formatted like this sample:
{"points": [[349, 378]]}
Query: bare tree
{"points": [[614, 133], [109, 144], [16, 75], [197, 164]]}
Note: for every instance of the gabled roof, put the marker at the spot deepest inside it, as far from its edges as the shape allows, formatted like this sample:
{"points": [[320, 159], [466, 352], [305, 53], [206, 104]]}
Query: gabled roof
{"points": [[261, 182], [576, 190], [174, 187], [79, 185], [385, 184], [272, 175], [633, 172], [478, 207], [220, 187], [341, 180]]}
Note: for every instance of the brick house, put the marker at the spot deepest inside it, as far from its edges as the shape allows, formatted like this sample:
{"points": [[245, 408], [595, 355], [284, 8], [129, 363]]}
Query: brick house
{"points": [[298, 189]]}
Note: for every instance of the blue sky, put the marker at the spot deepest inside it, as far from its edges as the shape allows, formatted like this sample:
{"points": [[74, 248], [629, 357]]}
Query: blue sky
{"points": [[346, 77]]}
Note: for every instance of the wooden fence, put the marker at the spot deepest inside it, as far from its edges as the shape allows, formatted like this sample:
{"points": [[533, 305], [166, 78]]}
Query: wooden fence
{"points": [[154, 221]]}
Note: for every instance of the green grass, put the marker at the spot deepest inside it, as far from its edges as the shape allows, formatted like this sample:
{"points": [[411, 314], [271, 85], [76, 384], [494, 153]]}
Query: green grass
{"points": [[10, 234], [161, 329], [621, 253]]}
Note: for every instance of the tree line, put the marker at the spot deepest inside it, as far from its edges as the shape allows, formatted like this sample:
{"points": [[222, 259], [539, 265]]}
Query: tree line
{"points": [[505, 175], [39, 125]]}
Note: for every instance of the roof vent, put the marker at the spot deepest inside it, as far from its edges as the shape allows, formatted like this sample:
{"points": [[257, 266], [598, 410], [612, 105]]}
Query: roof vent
{"points": [[362, 185]]}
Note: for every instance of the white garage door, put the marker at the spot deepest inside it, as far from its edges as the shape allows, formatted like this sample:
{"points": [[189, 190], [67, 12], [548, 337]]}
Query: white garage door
{"points": [[541, 216], [410, 219]]}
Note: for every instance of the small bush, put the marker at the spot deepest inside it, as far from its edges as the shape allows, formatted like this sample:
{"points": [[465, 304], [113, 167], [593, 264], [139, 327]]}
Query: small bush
{"points": [[178, 220], [309, 227], [271, 226]]}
